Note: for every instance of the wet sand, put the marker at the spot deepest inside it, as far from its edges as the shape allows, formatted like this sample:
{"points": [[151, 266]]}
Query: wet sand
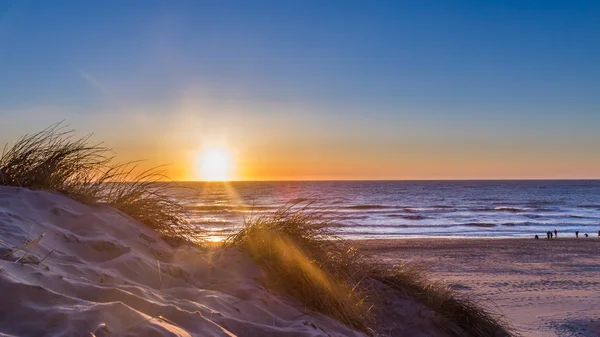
{"points": [[544, 288]]}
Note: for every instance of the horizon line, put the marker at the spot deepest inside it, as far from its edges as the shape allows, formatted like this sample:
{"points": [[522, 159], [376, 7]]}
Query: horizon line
{"points": [[385, 180]]}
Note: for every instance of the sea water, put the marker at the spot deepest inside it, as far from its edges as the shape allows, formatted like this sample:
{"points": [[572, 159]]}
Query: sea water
{"points": [[404, 209]]}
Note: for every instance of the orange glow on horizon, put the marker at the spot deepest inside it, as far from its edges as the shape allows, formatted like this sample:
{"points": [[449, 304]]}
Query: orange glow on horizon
{"points": [[230, 153]]}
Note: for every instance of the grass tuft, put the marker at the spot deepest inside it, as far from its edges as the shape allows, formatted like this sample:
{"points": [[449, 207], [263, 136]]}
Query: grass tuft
{"points": [[461, 315], [297, 249], [53, 159]]}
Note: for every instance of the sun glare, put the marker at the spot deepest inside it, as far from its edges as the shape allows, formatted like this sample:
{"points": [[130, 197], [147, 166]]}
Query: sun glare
{"points": [[214, 164]]}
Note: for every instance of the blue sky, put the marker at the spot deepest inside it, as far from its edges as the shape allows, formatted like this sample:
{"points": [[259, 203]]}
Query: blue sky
{"points": [[398, 89]]}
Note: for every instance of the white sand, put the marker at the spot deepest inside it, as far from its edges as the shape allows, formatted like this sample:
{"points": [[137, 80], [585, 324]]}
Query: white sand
{"points": [[107, 275]]}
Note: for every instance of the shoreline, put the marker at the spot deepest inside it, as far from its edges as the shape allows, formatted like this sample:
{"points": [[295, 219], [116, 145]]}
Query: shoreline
{"points": [[571, 237], [471, 239], [542, 287]]}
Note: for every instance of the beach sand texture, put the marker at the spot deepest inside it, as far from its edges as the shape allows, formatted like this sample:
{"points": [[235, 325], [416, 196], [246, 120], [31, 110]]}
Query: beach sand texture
{"points": [[107, 275], [545, 288]]}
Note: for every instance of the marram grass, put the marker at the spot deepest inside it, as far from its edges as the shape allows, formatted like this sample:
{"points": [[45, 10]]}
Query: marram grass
{"points": [[296, 247], [54, 160]]}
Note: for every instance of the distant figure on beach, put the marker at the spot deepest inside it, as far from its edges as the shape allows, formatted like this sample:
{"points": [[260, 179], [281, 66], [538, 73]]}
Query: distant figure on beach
{"points": [[555, 233], [599, 234], [548, 235], [537, 237], [551, 235], [586, 235], [577, 234]]}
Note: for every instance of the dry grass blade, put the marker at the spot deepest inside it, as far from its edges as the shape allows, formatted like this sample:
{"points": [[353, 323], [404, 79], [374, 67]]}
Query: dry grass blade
{"points": [[27, 247], [54, 160]]}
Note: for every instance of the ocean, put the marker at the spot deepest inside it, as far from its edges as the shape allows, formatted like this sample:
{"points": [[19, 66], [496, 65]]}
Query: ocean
{"points": [[405, 209]]}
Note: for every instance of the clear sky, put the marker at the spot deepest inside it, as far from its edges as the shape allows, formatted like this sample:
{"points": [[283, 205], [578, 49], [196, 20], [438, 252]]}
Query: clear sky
{"points": [[315, 89]]}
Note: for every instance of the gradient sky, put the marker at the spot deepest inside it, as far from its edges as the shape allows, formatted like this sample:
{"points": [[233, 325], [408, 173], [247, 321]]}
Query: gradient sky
{"points": [[315, 89]]}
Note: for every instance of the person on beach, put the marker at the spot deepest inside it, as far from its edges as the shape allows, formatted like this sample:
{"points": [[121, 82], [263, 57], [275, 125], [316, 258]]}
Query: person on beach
{"points": [[537, 237], [586, 235], [577, 234], [555, 233], [551, 235]]}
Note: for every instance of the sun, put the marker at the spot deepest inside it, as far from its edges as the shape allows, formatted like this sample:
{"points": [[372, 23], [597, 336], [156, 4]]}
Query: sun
{"points": [[214, 164]]}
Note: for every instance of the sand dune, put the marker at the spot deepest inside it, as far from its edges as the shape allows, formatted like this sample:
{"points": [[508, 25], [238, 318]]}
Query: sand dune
{"points": [[104, 274]]}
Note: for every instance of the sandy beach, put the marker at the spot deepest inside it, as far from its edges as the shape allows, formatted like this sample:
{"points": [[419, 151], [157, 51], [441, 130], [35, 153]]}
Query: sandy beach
{"points": [[544, 288]]}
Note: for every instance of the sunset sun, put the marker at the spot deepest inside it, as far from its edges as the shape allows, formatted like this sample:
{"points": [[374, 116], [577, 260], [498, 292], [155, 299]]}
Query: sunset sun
{"points": [[214, 164]]}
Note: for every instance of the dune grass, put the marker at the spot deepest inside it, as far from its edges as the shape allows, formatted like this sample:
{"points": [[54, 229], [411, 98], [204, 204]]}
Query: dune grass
{"points": [[54, 160], [303, 258], [462, 315], [296, 247]]}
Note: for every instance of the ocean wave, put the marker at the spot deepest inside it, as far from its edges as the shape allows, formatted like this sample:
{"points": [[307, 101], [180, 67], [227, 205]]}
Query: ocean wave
{"points": [[481, 209], [429, 209], [363, 226], [407, 209], [443, 207], [530, 224], [467, 224], [408, 217], [368, 207], [229, 208], [545, 209], [503, 203], [509, 209], [503, 209], [540, 202], [478, 224], [589, 206], [349, 217], [525, 224]]}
